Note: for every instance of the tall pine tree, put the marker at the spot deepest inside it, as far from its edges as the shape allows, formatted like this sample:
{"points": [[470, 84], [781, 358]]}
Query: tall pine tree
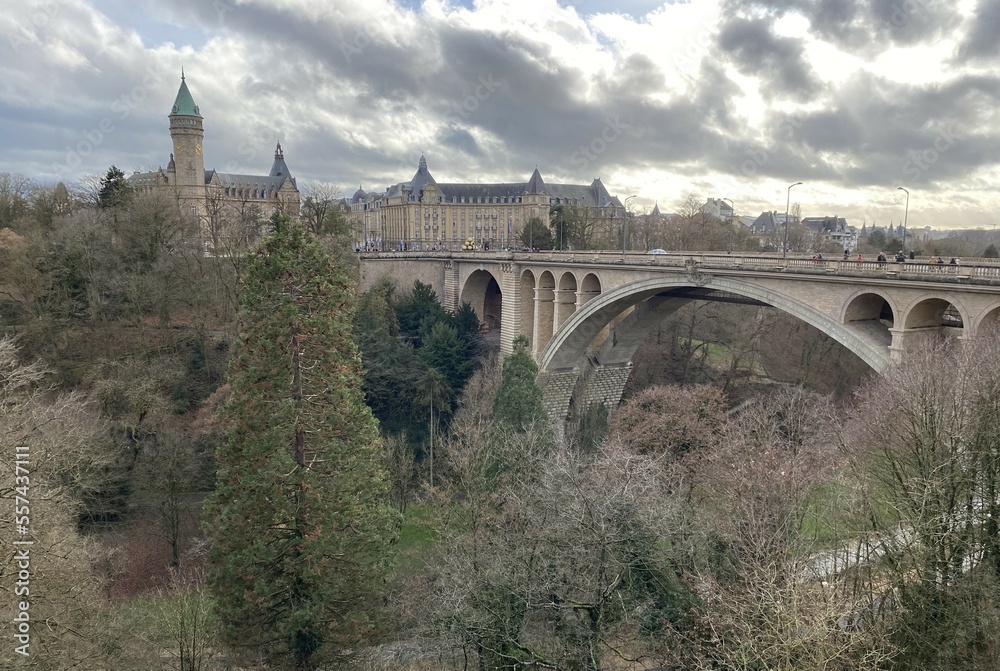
{"points": [[300, 515]]}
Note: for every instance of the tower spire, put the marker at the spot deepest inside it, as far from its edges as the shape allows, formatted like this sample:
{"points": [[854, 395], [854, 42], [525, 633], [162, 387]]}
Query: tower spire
{"points": [[279, 168], [184, 103]]}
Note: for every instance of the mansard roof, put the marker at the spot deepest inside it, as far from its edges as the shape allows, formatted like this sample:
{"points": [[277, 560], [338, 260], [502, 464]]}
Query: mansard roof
{"points": [[184, 102], [452, 190], [767, 221], [594, 195], [265, 183], [832, 224], [150, 178]]}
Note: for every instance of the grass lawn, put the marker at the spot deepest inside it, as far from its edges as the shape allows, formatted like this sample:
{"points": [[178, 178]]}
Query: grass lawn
{"points": [[417, 536]]}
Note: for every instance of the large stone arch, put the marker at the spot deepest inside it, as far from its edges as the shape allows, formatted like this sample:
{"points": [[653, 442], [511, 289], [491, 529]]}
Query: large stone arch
{"points": [[568, 346], [482, 292]]}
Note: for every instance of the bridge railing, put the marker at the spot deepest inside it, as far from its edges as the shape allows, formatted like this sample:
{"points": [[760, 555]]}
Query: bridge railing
{"points": [[979, 268]]}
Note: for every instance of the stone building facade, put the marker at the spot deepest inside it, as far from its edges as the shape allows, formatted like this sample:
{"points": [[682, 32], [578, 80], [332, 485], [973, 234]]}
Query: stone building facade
{"points": [[210, 194], [424, 214]]}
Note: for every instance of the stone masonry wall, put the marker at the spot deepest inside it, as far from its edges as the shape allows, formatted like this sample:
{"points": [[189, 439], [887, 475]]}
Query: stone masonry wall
{"points": [[606, 385], [557, 391], [404, 272], [449, 298]]}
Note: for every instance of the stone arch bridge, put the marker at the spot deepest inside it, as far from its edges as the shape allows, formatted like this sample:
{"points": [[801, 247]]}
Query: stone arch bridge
{"points": [[586, 313]]}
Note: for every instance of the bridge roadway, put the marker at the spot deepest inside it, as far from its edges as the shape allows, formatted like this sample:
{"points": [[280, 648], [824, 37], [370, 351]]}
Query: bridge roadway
{"points": [[585, 313]]}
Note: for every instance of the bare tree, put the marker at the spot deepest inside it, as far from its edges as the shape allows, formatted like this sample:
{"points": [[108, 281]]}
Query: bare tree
{"points": [[15, 191], [322, 213], [64, 456], [928, 451], [771, 601], [564, 576], [186, 615], [671, 420], [400, 462]]}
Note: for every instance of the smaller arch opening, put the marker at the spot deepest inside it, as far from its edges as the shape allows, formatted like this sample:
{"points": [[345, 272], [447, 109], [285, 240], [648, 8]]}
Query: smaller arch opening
{"points": [[528, 306], [934, 313], [871, 315]]}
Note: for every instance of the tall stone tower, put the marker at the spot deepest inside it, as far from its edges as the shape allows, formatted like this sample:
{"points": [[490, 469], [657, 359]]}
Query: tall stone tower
{"points": [[187, 133]]}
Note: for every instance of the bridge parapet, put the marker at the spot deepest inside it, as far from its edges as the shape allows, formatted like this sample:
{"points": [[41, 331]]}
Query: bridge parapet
{"points": [[973, 270]]}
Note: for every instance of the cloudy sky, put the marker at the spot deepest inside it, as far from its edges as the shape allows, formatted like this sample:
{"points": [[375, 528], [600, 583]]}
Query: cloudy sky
{"points": [[723, 98]]}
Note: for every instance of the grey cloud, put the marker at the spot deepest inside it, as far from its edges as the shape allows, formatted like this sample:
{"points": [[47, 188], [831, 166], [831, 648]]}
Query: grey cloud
{"points": [[532, 103], [863, 26], [877, 132], [981, 41], [755, 50], [459, 138]]}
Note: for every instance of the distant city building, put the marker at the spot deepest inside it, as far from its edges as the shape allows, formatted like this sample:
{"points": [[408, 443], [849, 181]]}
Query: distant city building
{"points": [[767, 223], [424, 214], [208, 193], [832, 229], [717, 207], [662, 217]]}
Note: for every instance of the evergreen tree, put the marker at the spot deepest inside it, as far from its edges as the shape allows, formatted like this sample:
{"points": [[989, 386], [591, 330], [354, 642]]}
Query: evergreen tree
{"points": [[391, 366], [467, 322], [419, 311], [376, 316], [536, 234], [445, 351], [877, 240], [518, 403], [300, 514], [115, 189]]}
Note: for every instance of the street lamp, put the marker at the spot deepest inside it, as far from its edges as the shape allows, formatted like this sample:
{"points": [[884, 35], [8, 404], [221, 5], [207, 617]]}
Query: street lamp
{"points": [[788, 199], [624, 225], [906, 213], [732, 215]]}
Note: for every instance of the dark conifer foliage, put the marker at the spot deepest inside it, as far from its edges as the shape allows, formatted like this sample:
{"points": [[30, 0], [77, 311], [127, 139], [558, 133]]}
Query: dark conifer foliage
{"points": [[402, 338], [301, 518], [518, 403], [115, 189]]}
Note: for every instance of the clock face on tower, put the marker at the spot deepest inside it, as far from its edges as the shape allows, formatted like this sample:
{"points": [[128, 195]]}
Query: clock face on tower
{"points": [[197, 149]]}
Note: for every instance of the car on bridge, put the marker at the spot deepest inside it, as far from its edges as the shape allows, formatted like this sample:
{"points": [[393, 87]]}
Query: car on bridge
{"points": [[657, 251]]}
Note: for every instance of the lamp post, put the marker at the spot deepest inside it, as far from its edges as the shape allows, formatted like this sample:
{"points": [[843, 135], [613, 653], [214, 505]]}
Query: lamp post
{"points": [[732, 215], [624, 225], [906, 213], [788, 200]]}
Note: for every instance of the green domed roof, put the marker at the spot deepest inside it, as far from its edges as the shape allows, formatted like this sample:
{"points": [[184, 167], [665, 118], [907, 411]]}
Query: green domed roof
{"points": [[184, 103]]}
